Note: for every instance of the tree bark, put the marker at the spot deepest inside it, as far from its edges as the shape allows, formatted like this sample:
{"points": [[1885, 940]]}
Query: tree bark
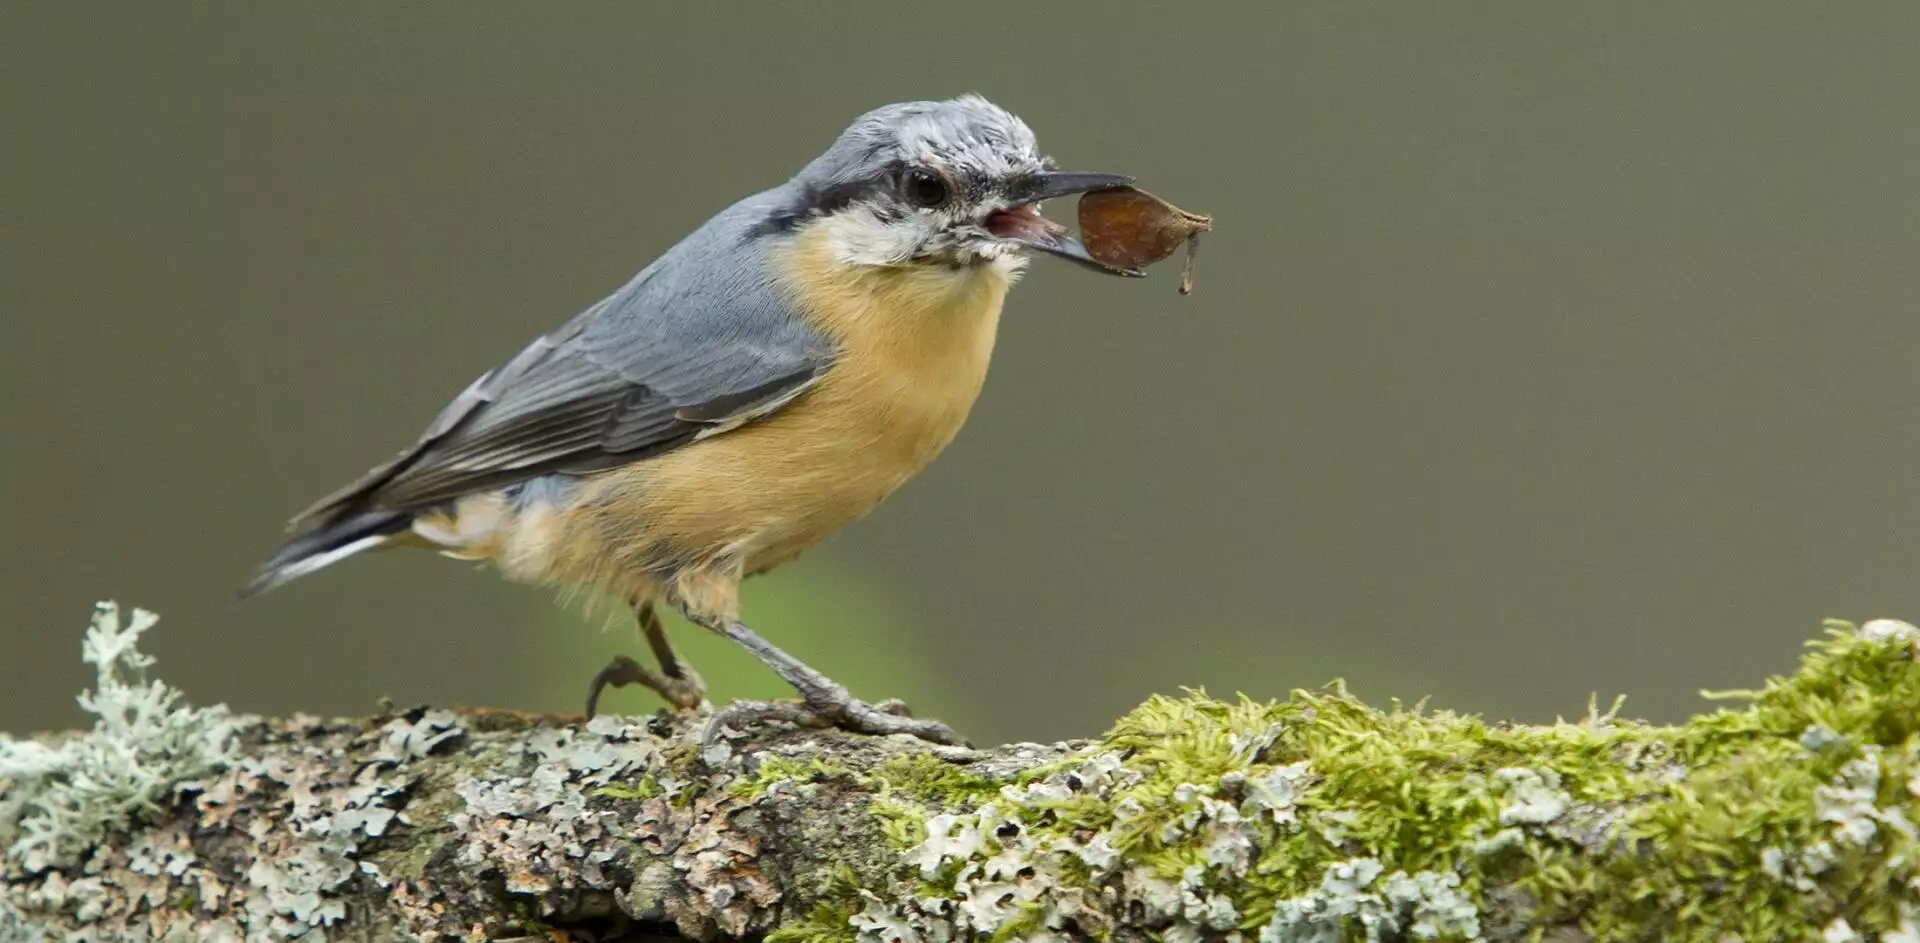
{"points": [[1315, 818]]}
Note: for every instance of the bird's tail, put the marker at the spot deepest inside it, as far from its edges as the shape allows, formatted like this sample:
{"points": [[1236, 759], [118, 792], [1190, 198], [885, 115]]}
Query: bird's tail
{"points": [[327, 544]]}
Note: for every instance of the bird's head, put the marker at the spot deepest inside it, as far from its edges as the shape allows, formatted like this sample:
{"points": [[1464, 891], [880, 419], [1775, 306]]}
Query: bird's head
{"points": [[954, 183]]}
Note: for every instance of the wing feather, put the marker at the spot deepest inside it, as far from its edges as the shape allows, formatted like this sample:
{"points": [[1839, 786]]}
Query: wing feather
{"points": [[694, 345]]}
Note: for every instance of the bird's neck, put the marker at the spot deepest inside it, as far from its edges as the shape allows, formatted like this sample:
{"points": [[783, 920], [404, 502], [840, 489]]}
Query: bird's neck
{"points": [[937, 316]]}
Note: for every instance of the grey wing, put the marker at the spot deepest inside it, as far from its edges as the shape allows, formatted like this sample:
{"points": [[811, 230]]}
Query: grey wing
{"points": [[658, 364]]}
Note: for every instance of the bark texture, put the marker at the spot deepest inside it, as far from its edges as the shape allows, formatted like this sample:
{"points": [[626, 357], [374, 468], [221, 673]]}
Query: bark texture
{"points": [[1316, 818]]}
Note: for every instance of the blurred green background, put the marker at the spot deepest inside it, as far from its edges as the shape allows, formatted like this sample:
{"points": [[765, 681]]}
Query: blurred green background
{"points": [[1542, 349]]}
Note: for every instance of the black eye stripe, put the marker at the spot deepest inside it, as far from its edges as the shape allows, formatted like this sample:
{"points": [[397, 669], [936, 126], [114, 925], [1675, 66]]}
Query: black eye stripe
{"points": [[890, 194]]}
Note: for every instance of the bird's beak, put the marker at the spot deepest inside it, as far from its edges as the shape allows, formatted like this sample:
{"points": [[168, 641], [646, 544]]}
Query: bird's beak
{"points": [[1022, 222]]}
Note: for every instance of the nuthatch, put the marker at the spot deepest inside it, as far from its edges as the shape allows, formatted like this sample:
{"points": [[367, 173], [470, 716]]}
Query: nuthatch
{"points": [[770, 378]]}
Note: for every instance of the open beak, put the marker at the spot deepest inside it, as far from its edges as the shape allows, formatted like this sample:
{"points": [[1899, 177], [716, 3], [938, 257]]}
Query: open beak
{"points": [[1023, 223]]}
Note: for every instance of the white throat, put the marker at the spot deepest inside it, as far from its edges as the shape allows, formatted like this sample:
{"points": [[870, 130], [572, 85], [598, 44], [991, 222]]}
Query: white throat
{"points": [[856, 236]]}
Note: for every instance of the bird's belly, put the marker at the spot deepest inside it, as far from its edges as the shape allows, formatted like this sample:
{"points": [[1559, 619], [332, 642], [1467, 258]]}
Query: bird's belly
{"points": [[769, 491], [759, 496]]}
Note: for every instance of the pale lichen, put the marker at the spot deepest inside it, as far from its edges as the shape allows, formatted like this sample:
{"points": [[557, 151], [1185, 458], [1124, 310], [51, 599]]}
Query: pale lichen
{"points": [[313, 842], [538, 827], [112, 829], [144, 746], [1354, 900]]}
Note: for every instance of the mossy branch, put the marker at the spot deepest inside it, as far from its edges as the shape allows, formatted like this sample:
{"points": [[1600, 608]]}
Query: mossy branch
{"points": [[1786, 816]]}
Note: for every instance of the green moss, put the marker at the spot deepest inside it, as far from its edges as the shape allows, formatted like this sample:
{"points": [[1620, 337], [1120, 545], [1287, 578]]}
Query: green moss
{"points": [[908, 789], [641, 789], [1705, 801], [1761, 819], [828, 921], [778, 769], [921, 777], [1415, 791], [825, 923], [903, 825], [1795, 810], [1029, 919], [932, 781], [905, 789]]}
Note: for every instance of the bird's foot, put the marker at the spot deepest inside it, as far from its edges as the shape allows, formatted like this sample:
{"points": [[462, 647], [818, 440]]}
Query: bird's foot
{"points": [[685, 692], [833, 707], [890, 716]]}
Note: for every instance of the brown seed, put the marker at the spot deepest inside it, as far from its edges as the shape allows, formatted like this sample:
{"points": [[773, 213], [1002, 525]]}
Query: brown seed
{"points": [[1127, 229]]}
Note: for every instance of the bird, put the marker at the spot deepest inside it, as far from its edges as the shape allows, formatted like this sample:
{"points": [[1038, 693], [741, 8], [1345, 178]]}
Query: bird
{"points": [[770, 378]]}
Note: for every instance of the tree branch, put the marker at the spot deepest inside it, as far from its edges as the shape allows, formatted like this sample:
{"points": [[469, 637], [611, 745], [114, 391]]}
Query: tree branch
{"points": [[1317, 818]]}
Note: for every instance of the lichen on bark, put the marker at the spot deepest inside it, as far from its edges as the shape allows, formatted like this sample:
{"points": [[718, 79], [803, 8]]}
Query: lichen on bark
{"points": [[1786, 814]]}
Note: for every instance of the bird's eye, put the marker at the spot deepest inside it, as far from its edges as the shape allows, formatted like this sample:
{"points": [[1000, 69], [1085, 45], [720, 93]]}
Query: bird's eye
{"points": [[924, 188]]}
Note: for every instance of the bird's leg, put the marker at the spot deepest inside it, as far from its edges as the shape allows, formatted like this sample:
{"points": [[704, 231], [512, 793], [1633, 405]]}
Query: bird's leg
{"points": [[675, 682], [662, 649], [826, 702]]}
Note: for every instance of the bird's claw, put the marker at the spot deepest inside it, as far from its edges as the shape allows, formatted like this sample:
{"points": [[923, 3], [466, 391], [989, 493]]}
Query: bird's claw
{"points": [[866, 718], [742, 714], [686, 692], [843, 712]]}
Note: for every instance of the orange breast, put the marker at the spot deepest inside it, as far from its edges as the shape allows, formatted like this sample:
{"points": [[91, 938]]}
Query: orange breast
{"points": [[914, 343]]}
